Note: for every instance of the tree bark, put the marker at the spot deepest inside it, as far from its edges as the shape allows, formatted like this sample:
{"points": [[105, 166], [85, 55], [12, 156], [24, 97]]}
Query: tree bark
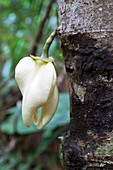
{"points": [[86, 34]]}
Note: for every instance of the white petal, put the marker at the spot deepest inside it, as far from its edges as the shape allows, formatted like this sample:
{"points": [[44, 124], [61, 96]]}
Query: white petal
{"points": [[38, 92], [35, 118], [49, 109], [28, 113], [23, 72]]}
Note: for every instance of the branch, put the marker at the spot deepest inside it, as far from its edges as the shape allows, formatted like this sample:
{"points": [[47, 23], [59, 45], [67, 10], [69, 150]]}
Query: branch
{"points": [[3, 83], [40, 30]]}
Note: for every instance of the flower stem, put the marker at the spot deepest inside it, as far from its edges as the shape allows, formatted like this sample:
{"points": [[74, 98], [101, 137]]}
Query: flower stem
{"points": [[47, 45]]}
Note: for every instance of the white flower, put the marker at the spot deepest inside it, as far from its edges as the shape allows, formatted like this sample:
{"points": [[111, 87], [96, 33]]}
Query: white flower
{"points": [[36, 79]]}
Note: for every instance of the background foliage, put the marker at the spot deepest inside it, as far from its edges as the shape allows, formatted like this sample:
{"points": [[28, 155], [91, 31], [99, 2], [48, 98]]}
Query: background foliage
{"points": [[22, 21]]}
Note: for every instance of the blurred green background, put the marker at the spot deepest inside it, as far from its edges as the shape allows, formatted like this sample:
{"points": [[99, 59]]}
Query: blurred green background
{"points": [[25, 26]]}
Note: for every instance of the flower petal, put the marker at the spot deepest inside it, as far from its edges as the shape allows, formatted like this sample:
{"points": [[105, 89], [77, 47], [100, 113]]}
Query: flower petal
{"points": [[28, 113], [38, 92], [35, 118], [49, 109], [24, 72]]}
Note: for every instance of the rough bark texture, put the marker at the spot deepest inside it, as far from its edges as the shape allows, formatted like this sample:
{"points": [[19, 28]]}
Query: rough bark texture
{"points": [[86, 34]]}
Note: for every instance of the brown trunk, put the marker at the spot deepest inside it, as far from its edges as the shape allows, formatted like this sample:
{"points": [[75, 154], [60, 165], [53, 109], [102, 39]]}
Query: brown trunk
{"points": [[86, 33]]}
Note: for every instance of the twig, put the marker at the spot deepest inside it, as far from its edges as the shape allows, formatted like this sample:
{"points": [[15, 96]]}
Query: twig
{"points": [[3, 83], [40, 30], [13, 101]]}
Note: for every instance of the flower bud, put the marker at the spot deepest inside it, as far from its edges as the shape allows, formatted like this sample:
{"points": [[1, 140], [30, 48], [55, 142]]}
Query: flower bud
{"points": [[36, 79]]}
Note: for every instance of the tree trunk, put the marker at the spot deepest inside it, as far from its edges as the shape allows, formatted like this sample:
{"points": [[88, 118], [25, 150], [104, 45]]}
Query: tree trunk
{"points": [[86, 34]]}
